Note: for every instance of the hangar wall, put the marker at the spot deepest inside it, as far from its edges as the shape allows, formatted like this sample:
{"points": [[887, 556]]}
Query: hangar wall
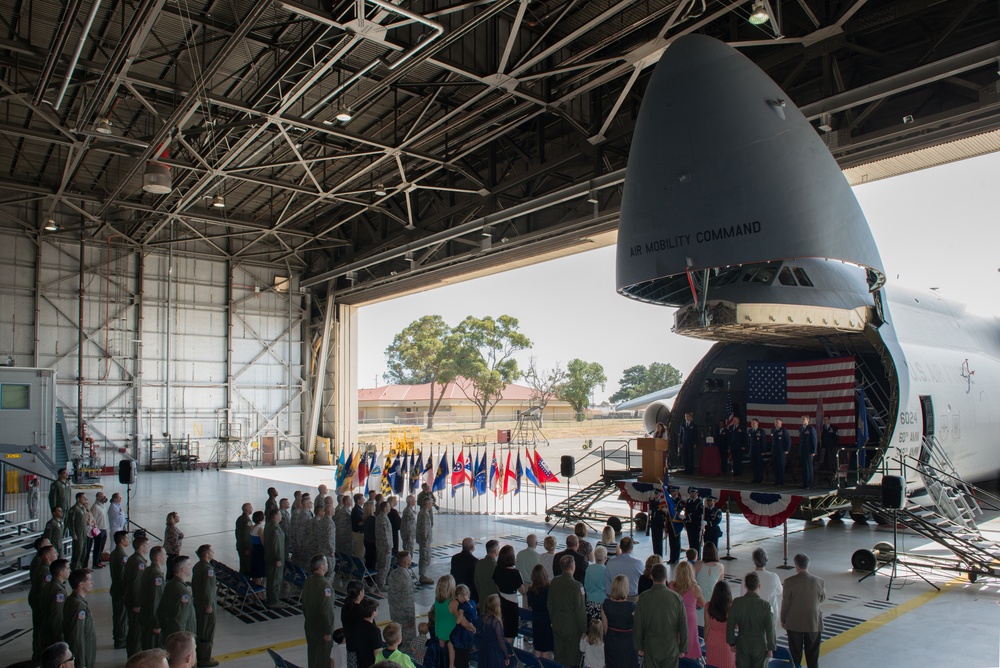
{"points": [[171, 343]]}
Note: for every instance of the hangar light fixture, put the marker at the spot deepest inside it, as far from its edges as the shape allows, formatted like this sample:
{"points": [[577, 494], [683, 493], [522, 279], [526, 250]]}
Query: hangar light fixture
{"points": [[219, 202], [344, 114], [50, 225], [380, 190], [104, 127], [156, 179], [759, 15]]}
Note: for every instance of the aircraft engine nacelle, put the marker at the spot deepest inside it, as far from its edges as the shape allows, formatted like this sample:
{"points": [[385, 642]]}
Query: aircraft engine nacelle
{"points": [[658, 411]]}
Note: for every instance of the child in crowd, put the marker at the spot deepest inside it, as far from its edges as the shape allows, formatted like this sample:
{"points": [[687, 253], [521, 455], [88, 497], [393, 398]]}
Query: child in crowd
{"points": [[691, 554], [592, 645], [493, 652], [339, 649], [466, 617], [393, 635], [369, 639]]}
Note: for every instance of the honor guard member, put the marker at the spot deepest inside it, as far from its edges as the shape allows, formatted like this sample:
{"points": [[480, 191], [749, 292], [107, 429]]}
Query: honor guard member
{"points": [[318, 614], [60, 493], [657, 523], [713, 522], [134, 568], [737, 437], [272, 499], [204, 591], [150, 594], [688, 438], [55, 530], [425, 534], [243, 525], [693, 517], [41, 574], [51, 603], [399, 590], [781, 443], [176, 610], [807, 451], [383, 542], [76, 522], [675, 525], [274, 557], [78, 624], [722, 441], [755, 442], [119, 619], [831, 441], [408, 527]]}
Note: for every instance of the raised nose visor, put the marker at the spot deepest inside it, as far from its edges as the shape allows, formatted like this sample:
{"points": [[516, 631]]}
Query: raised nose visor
{"points": [[724, 170]]}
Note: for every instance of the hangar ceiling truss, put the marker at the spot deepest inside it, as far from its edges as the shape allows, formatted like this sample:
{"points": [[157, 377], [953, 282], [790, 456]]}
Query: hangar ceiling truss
{"points": [[479, 131]]}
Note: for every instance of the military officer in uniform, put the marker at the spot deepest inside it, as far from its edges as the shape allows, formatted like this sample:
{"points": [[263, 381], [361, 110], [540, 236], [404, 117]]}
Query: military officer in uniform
{"points": [[134, 568], [55, 530], [399, 588], [831, 441], [243, 525], [408, 527], [693, 517], [713, 522], [78, 623], [383, 542], [688, 438], [60, 493], [78, 526], [807, 451], [755, 442], [568, 613], [737, 438], [204, 591], [722, 441], [150, 595], [659, 630], [750, 627], [119, 620], [781, 443], [323, 537], [425, 534], [657, 523], [342, 522], [176, 610], [274, 557], [675, 524], [41, 574], [272, 499], [318, 614], [51, 602]]}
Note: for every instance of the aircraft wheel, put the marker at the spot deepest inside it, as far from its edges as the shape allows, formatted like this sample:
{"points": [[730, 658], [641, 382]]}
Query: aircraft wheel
{"points": [[863, 560], [861, 518], [547, 518], [884, 551], [973, 577], [838, 516]]}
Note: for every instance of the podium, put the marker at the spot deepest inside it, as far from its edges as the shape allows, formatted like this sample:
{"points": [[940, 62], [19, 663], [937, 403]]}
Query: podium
{"points": [[654, 453]]}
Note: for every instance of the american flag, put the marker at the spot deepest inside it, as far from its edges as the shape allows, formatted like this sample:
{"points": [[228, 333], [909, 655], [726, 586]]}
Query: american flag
{"points": [[789, 390]]}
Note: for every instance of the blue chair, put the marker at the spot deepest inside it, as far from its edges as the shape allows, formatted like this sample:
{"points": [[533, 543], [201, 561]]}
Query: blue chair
{"points": [[524, 628], [780, 663], [782, 654], [278, 661], [363, 573], [549, 663], [684, 662], [527, 659]]}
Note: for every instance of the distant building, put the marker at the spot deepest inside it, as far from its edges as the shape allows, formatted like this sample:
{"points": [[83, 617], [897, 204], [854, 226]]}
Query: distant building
{"points": [[408, 404]]}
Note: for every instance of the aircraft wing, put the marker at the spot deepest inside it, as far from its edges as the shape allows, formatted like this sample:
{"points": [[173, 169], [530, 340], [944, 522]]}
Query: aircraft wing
{"points": [[640, 403]]}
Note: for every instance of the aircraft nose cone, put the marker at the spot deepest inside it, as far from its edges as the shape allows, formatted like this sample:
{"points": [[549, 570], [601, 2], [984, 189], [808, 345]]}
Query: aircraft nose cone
{"points": [[724, 169]]}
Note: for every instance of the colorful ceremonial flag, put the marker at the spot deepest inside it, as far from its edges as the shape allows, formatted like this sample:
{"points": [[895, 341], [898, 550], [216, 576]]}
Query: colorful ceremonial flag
{"points": [[459, 475], [494, 473], [789, 390], [416, 468], [428, 472], [338, 477], [397, 474], [518, 472], [479, 476], [362, 471], [374, 481], [388, 475], [729, 409], [531, 471], [508, 475], [672, 509], [542, 470], [348, 476], [441, 478]]}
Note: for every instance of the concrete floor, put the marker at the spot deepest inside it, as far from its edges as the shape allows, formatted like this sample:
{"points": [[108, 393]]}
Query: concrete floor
{"points": [[959, 625]]}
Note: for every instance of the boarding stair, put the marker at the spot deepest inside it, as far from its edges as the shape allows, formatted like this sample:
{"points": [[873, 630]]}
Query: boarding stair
{"points": [[579, 507]]}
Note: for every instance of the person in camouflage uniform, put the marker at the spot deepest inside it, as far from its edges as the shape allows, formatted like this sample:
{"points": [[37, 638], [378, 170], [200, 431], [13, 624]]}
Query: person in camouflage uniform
{"points": [[41, 574], [318, 614], [77, 523], [274, 557], [342, 521], [119, 619], [322, 537], [243, 525], [176, 610], [383, 542], [408, 530], [78, 622], [286, 516], [51, 602], [55, 530], [425, 534], [298, 539], [134, 568], [150, 595], [203, 588], [399, 589]]}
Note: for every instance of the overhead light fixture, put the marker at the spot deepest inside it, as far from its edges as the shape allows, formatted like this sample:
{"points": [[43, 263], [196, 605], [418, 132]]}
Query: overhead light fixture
{"points": [[219, 202], [156, 179], [104, 127], [343, 114], [51, 226], [592, 197], [380, 190], [725, 371], [759, 15]]}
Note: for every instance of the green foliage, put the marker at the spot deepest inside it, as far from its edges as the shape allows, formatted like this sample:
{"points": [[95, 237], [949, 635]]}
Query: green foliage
{"points": [[639, 380], [485, 358], [544, 383], [425, 351], [581, 379]]}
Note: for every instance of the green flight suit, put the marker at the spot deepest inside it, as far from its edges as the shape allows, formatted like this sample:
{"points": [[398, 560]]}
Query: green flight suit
{"points": [[176, 611], [150, 594], [318, 613], [78, 630], [659, 627], [751, 628], [243, 525], [76, 523], [55, 530], [204, 590], [119, 616], [569, 618], [40, 576], [61, 495], [134, 568], [274, 556], [51, 603]]}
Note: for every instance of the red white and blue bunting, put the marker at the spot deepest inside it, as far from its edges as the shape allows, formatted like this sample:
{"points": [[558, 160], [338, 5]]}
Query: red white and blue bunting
{"points": [[638, 494], [763, 509]]}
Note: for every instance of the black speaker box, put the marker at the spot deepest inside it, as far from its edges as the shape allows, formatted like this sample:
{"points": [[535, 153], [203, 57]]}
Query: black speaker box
{"points": [[893, 492], [126, 471], [567, 466]]}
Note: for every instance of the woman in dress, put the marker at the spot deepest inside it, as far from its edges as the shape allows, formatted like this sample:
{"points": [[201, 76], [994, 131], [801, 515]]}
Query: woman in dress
{"points": [[584, 547], [608, 541], [707, 572], [371, 556], [444, 618], [542, 640], [770, 585], [509, 584], [173, 537], [545, 558], [594, 583], [717, 651], [493, 652], [646, 579], [686, 586], [350, 615], [258, 569], [616, 616]]}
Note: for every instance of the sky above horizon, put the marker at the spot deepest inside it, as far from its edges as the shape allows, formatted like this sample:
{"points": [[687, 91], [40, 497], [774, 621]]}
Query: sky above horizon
{"points": [[934, 228]]}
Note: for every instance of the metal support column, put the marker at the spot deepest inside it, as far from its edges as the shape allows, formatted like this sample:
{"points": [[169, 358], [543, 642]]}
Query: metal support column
{"points": [[324, 353]]}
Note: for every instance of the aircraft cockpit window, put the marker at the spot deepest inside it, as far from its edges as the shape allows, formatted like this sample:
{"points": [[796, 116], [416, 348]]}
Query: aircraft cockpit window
{"points": [[785, 277], [800, 274], [760, 275]]}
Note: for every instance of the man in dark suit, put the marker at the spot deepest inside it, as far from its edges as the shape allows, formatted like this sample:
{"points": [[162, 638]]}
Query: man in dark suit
{"points": [[483, 574], [781, 443], [807, 451], [750, 627], [572, 543], [463, 567], [688, 438], [801, 616]]}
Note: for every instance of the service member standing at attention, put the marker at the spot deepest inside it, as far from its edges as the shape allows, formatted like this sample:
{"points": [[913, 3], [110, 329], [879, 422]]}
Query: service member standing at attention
{"points": [[781, 443], [425, 534], [78, 525], [244, 523], [55, 531], [737, 438], [274, 557], [60, 493], [203, 589], [831, 441], [755, 443], [134, 569], [358, 527], [568, 613], [408, 527], [801, 616], [750, 627], [688, 438], [400, 593], [176, 609], [713, 522], [383, 542], [660, 629], [53, 600], [150, 595], [807, 451], [485, 586], [657, 523], [693, 517], [272, 499], [342, 521], [119, 618], [78, 623], [318, 614], [320, 539], [41, 574]]}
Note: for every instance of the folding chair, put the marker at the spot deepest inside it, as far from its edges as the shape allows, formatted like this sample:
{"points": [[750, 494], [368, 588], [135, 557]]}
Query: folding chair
{"points": [[549, 663], [782, 654], [524, 628], [363, 573], [527, 659]]}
